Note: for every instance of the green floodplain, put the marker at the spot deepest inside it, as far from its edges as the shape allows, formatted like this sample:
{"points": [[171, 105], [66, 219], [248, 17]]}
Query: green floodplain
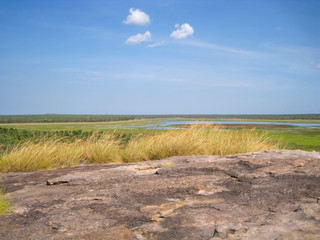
{"points": [[15, 129]]}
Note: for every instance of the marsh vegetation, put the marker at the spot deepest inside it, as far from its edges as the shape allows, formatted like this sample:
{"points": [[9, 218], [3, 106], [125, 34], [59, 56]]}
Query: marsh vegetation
{"points": [[54, 118]]}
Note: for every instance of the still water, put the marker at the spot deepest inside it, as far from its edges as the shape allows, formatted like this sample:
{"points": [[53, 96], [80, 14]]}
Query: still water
{"points": [[168, 124]]}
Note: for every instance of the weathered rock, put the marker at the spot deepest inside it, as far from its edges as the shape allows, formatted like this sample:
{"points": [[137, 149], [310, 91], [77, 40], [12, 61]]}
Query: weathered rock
{"points": [[264, 195]]}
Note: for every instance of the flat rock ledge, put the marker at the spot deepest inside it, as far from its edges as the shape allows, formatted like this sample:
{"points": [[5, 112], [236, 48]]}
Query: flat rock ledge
{"points": [[262, 195]]}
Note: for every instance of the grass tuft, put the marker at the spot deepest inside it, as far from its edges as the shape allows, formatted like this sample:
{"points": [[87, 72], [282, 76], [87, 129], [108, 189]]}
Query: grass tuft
{"points": [[57, 153], [5, 204], [199, 139]]}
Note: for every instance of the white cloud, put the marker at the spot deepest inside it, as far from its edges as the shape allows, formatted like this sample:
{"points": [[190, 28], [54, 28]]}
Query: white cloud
{"points": [[315, 65], [182, 31], [137, 17], [157, 44], [139, 38]]}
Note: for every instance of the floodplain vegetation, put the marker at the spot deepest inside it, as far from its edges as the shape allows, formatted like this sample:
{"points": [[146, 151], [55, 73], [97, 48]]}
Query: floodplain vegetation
{"points": [[55, 118], [105, 147]]}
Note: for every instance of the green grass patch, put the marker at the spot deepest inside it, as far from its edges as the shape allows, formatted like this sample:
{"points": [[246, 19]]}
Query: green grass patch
{"points": [[299, 138]]}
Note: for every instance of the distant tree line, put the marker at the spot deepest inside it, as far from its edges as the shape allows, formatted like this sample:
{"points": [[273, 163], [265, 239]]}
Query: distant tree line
{"points": [[238, 116], [51, 118]]}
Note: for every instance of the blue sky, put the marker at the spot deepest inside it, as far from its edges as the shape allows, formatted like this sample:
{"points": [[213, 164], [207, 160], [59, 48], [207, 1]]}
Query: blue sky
{"points": [[160, 57]]}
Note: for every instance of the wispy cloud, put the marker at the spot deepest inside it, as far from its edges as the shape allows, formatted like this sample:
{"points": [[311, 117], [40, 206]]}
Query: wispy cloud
{"points": [[217, 47], [315, 65], [139, 38], [92, 32], [89, 74], [137, 17], [86, 72], [182, 31], [157, 44], [176, 79], [233, 84]]}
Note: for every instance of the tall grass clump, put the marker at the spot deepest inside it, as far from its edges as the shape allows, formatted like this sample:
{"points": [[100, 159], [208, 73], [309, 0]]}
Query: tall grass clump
{"points": [[199, 139], [57, 153], [101, 149], [167, 144], [5, 204], [224, 142], [45, 154]]}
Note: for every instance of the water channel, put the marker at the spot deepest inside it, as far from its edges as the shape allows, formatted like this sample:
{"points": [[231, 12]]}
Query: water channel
{"points": [[170, 124]]}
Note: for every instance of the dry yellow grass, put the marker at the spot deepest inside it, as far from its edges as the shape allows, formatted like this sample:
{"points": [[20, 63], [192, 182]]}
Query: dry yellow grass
{"points": [[198, 140], [56, 153], [100, 149], [43, 155]]}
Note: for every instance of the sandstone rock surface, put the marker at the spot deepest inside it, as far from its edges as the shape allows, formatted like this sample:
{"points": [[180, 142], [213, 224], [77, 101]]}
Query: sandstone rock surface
{"points": [[263, 195]]}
